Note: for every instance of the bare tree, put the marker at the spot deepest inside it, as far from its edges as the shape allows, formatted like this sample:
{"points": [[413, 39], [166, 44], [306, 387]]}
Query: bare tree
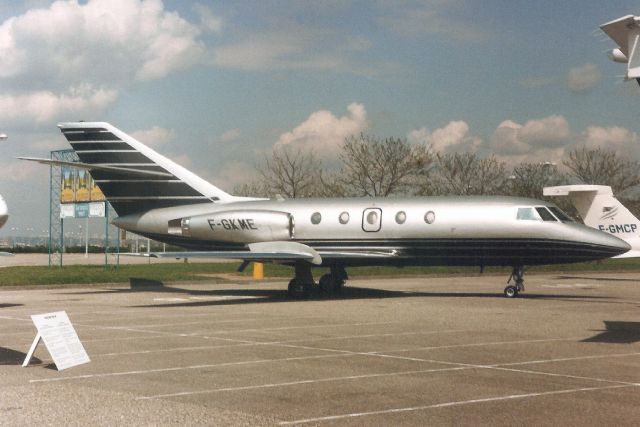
{"points": [[529, 179], [467, 174], [603, 167], [291, 173], [251, 189], [380, 167]]}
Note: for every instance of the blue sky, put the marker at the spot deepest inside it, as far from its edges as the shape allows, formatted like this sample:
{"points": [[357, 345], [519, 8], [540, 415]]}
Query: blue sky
{"points": [[216, 84]]}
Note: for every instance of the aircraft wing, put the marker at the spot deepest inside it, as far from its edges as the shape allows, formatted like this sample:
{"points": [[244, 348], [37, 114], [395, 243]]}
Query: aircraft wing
{"points": [[90, 167], [6, 254], [261, 251]]}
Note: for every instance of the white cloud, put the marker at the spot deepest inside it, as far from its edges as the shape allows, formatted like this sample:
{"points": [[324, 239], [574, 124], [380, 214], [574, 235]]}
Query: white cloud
{"points": [[155, 136], [324, 133], [619, 139], [454, 136], [505, 139], [583, 78], [44, 106], [544, 140], [102, 41], [428, 17], [550, 131], [208, 20]]}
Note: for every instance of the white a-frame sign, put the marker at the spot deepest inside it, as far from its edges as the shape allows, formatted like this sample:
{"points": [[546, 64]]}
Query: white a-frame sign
{"points": [[60, 338]]}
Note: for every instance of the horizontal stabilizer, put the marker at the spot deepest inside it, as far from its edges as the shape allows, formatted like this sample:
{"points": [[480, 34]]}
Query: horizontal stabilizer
{"points": [[565, 190], [91, 167], [625, 32]]}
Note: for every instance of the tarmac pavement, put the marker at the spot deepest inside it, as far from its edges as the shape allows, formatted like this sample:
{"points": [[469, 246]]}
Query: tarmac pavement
{"points": [[401, 351]]}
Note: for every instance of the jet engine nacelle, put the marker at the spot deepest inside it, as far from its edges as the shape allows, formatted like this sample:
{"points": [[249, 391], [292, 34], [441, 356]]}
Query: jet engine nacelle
{"points": [[239, 226], [616, 55]]}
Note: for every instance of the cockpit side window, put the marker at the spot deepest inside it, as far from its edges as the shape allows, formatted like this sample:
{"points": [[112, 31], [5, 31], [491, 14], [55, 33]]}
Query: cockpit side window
{"points": [[527, 214], [559, 214], [545, 214]]}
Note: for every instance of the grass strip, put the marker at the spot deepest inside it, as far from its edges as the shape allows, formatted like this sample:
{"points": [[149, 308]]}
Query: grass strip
{"points": [[177, 272]]}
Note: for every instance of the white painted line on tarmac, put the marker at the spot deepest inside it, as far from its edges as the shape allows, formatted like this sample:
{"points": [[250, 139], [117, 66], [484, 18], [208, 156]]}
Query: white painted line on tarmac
{"points": [[450, 404], [160, 325], [570, 359], [294, 383], [182, 368], [482, 344], [276, 343]]}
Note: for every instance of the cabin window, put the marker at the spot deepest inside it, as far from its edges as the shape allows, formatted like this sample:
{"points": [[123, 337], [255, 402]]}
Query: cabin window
{"points": [[372, 217], [316, 218], [527, 214], [430, 217], [559, 214], [545, 214], [344, 218], [401, 217]]}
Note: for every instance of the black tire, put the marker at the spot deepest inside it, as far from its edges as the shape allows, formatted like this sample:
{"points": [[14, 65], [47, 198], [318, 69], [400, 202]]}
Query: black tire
{"points": [[326, 283], [511, 291], [299, 290]]}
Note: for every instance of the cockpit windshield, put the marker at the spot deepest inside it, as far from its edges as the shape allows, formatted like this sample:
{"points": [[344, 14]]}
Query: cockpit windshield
{"points": [[545, 214], [559, 214]]}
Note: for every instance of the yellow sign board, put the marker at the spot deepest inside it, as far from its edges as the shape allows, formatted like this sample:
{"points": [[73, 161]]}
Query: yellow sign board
{"points": [[77, 186]]}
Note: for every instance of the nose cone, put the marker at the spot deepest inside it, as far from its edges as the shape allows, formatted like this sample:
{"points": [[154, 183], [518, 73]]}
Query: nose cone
{"points": [[604, 244], [4, 212]]}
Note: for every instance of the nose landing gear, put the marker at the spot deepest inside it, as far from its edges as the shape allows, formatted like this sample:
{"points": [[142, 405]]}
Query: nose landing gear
{"points": [[517, 277]]}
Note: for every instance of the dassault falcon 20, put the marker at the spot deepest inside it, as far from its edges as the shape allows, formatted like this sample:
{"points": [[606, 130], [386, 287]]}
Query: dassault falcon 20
{"points": [[155, 197]]}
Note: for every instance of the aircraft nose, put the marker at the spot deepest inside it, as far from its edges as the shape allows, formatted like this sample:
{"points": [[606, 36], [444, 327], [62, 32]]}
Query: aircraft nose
{"points": [[607, 244]]}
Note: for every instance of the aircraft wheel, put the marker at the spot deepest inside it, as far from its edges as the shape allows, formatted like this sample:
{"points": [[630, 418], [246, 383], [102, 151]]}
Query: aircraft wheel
{"points": [[511, 291], [326, 283], [299, 289]]}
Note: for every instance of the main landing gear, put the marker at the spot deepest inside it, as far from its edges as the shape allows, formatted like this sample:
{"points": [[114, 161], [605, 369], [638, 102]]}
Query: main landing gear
{"points": [[302, 285], [517, 277]]}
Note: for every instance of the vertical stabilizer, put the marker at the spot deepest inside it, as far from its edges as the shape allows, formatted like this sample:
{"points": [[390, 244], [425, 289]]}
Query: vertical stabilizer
{"points": [[599, 209], [133, 177]]}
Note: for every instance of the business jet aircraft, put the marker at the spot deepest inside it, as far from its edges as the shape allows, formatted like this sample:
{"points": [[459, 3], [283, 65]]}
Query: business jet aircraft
{"points": [[156, 198], [599, 209], [625, 32]]}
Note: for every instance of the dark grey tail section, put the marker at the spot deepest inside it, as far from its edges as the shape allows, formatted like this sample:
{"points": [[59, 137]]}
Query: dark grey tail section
{"points": [[121, 163]]}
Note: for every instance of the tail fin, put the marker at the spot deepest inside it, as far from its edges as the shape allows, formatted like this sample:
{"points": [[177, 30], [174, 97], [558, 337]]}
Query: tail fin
{"points": [[625, 32], [133, 177], [599, 209]]}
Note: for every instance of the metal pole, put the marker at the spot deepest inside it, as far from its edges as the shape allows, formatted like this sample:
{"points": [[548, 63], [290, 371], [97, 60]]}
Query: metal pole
{"points": [[106, 234], [50, 213], [86, 238], [61, 240]]}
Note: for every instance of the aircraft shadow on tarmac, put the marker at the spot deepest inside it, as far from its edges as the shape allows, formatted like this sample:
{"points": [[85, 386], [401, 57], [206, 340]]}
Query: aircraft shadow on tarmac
{"points": [[232, 296], [598, 279], [617, 333]]}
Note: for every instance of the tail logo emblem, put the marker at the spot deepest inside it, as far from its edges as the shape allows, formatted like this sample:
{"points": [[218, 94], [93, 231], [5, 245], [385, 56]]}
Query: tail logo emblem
{"points": [[609, 212]]}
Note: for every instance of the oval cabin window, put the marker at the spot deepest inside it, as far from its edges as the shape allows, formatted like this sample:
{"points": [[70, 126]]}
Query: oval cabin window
{"points": [[316, 218], [372, 217], [401, 217], [429, 217], [344, 218]]}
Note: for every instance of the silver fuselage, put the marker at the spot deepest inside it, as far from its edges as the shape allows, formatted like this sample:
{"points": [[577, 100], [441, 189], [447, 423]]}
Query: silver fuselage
{"points": [[415, 231]]}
